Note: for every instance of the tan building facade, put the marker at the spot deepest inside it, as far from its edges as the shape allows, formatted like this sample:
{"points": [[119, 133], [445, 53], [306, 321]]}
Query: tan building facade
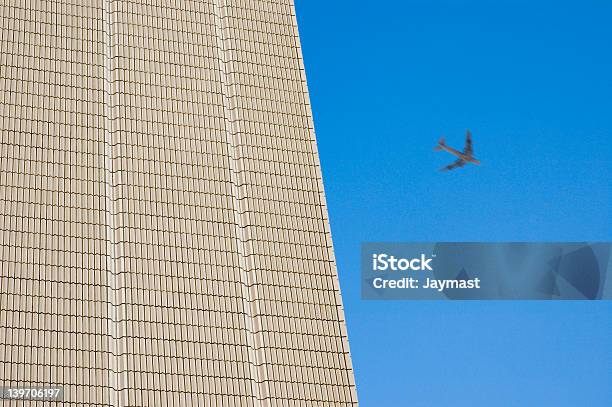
{"points": [[164, 238]]}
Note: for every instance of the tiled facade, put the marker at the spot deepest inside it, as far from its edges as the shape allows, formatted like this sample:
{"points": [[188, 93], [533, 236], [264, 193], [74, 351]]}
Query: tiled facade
{"points": [[164, 238]]}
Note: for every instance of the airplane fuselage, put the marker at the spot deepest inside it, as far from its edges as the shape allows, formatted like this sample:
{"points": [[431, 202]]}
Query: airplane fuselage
{"points": [[459, 154]]}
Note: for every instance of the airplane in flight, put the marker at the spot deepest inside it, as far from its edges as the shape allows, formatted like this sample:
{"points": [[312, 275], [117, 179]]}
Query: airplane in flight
{"points": [[467, 156]]}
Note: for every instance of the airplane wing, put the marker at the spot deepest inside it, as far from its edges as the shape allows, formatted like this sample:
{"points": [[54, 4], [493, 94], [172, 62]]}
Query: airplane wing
{"points": [[456, 164], [468, 149]]}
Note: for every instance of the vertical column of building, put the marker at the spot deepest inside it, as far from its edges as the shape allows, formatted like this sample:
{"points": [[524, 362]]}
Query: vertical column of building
{"points": [[298, 321], [346, 365], [53, 275], [226, 40], [185, 325], [113, 215]]}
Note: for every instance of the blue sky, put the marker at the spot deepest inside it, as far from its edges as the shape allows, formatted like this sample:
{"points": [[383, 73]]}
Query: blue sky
{"points": [[532, 80]]}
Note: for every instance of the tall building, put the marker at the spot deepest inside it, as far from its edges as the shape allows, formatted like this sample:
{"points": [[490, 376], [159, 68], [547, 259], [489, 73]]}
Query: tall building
{"points": [[164, 238]]}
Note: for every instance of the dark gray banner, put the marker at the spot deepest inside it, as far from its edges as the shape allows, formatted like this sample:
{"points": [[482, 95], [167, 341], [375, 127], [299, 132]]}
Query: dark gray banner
{"points": [[485, 271]]}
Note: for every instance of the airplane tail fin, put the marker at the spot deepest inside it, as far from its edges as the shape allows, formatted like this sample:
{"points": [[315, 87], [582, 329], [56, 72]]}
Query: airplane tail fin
{"points": [[441, 142]]}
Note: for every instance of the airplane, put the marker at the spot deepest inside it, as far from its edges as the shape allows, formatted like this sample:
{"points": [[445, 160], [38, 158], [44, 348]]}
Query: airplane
{"points": [[467, 156]]}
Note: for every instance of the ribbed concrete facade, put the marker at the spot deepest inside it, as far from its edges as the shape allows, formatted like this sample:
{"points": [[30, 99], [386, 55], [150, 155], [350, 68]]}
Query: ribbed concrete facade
{"points": [[164, 238]]}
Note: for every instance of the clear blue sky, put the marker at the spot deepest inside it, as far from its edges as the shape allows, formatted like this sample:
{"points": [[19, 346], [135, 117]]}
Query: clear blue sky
{"points": [[533, 81]]}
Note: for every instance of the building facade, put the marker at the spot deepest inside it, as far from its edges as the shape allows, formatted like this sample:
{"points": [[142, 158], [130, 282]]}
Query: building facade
{"points": [[164, 238]]}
